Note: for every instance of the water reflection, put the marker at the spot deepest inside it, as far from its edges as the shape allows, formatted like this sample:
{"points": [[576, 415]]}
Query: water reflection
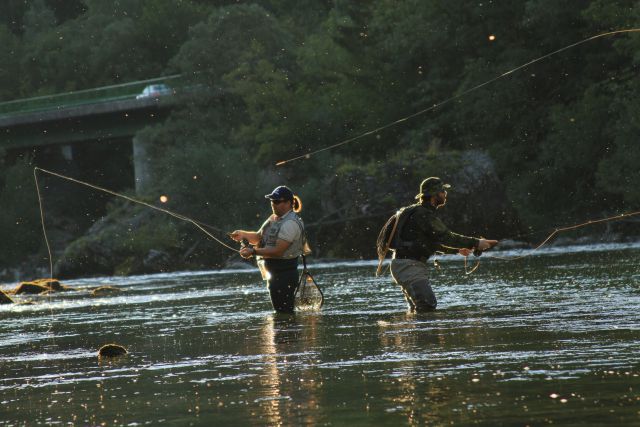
{"points": [[407, 390], [289, 382]]}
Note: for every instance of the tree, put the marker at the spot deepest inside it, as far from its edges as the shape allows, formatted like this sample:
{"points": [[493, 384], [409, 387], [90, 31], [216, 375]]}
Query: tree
{"points": [[9, 64], [19, 221]]}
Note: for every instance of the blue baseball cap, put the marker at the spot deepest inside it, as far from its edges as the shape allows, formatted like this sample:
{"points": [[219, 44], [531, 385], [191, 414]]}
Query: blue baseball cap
{"points": [[280, 193]]}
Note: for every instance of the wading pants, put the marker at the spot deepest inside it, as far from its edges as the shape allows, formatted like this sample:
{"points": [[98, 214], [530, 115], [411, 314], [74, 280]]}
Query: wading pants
{"points": [[283, 283], [412, 276]]}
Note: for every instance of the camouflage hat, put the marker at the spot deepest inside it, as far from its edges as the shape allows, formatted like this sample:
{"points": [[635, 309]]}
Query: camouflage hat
{"points": [[431, 186]]}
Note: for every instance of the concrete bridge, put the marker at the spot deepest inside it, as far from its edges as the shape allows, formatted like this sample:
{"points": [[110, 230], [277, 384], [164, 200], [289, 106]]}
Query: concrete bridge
{"points": [[71, 123]]}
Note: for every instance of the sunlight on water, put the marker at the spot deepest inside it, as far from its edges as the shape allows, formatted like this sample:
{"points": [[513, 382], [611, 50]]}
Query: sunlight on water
{"points": [[550, 338]]}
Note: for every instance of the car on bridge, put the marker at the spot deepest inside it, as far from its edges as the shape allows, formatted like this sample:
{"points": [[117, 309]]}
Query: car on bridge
{"points": [[155, 91]]}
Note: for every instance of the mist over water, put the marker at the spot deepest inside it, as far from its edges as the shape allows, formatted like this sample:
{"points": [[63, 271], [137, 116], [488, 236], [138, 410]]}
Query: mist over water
{"points": [[550, 338]]}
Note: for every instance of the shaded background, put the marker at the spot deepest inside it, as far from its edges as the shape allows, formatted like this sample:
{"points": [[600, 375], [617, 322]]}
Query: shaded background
{"points": [[554, 144]]}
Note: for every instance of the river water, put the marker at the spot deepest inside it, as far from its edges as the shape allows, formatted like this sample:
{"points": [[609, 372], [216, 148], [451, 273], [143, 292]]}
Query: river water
{"points": [[550, 339]]}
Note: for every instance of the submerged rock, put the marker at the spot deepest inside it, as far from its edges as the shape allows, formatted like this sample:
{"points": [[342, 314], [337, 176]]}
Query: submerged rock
{"points": [[53, 284], [41, 286], [105, 290], [5, 299], [111, 350], [30, 288]]}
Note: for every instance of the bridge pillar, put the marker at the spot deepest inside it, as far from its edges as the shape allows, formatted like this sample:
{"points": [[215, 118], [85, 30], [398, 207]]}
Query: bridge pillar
{"points": [[67, 152], [141, 165]]}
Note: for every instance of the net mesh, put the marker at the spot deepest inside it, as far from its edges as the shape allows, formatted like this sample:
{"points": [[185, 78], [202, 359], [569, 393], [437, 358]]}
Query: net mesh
{"points": [[308, 296]]}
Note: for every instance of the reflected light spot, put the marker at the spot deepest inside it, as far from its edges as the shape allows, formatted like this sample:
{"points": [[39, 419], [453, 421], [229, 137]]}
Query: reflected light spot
{"points": [[553, 396], [492, 37], [164, 199]]}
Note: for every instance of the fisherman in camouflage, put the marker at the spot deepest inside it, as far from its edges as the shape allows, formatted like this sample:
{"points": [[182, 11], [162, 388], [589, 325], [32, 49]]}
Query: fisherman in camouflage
{"points": [[419, 235]]}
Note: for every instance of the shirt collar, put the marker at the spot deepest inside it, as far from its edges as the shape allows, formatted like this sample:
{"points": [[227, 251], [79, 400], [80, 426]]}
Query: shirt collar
{"points": [[428, 205], [289, 212]]}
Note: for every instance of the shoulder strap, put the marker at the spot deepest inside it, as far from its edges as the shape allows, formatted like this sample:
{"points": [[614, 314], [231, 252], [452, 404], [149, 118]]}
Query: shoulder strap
{"points": [[303, 235], [383, 255], [392, 236]]}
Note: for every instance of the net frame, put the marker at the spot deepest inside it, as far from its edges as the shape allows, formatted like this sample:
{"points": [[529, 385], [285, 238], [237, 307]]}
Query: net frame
{"points": [[307, 290]]}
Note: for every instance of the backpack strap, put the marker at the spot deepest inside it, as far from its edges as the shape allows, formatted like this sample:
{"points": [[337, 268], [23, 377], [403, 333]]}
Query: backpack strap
{"points": [[401, 217], [382, 256]]}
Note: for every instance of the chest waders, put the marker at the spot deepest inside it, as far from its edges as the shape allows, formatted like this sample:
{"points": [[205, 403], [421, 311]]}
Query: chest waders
{"points": [[306, 295]]}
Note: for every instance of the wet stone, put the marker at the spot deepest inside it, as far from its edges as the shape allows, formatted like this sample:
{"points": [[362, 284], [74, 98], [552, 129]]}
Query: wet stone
{"points": [[5, 299], [40, 286], [52, 284], [30, 288], [105, 290], [111, 350]]}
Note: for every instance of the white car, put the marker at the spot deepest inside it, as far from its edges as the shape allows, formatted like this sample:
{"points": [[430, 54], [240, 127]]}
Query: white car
{"points": [[155, 91]]}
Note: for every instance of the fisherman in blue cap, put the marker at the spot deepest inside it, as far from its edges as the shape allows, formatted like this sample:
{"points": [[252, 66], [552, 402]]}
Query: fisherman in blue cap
{"points": [[277, 245]]}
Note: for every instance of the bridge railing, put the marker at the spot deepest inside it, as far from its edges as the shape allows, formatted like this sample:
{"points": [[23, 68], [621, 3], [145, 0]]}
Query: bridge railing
{"points": [[116, 92]]}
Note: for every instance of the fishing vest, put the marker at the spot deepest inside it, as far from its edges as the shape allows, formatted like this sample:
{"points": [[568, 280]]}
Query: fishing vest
{"points": [[271, 231]]}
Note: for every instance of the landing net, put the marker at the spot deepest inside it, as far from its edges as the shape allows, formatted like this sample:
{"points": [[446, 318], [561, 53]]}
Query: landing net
{"points": [[308, 296]]}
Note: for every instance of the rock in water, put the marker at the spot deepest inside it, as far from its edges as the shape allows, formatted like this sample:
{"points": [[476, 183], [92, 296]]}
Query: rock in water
{"points": [[111, 350], [105, 290], [30, 288], [5, 299], [52, 284], [40, 286]]}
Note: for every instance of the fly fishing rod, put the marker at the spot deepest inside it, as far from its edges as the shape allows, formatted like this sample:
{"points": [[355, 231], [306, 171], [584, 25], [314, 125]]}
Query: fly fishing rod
{"points": [[199, 225], [559, 230], [548, 239], [454, 97]]}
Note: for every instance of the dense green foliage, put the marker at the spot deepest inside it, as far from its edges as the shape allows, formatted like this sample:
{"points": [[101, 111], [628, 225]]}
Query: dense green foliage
{"points": [[298, 76], [19, 219]]}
